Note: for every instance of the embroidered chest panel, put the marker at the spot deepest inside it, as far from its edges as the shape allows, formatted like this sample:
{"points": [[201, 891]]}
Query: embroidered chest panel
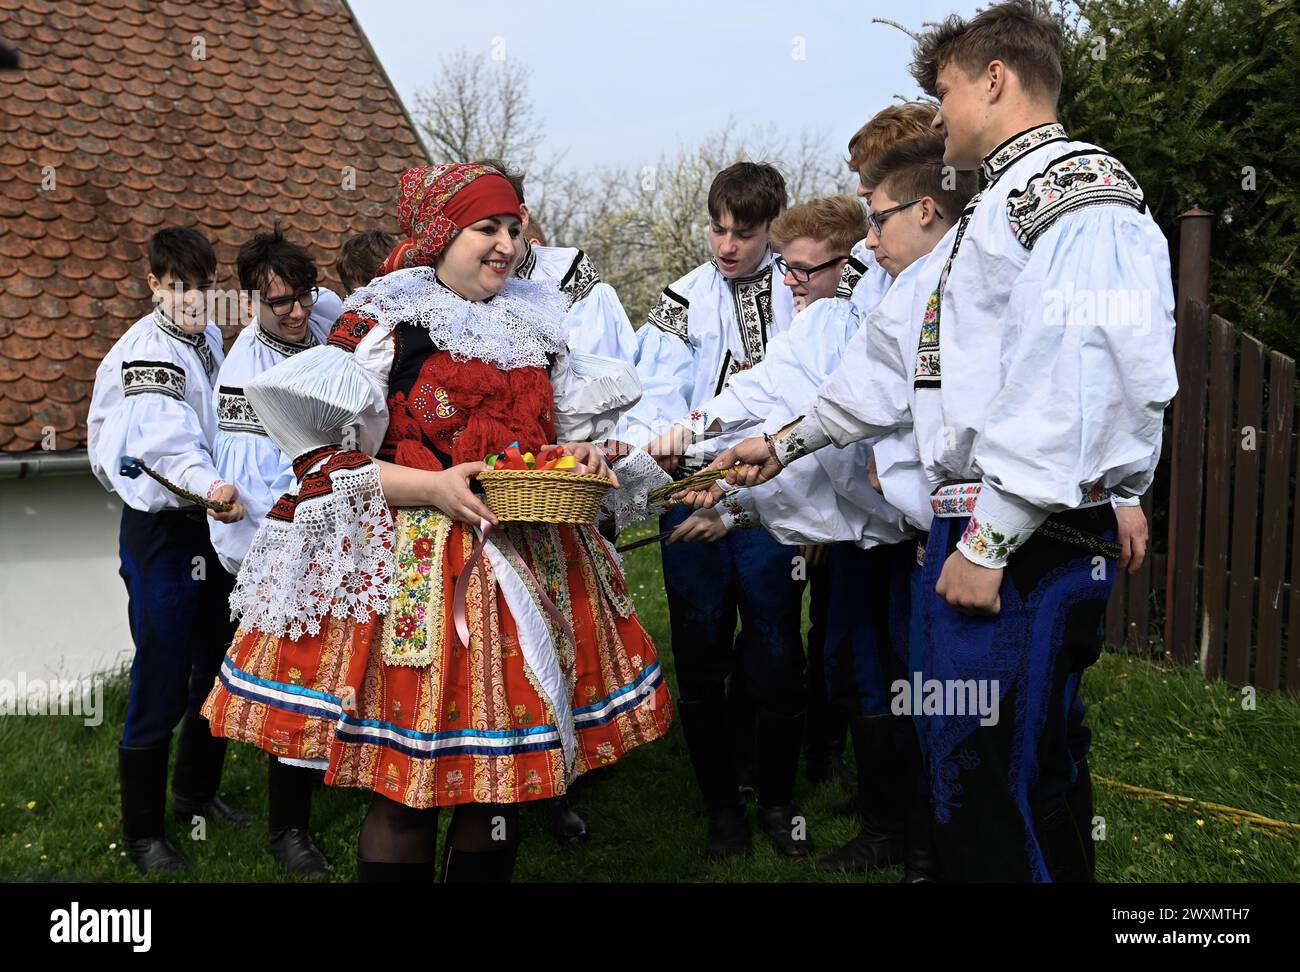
{"points": [[419, 411], [752, 298]]}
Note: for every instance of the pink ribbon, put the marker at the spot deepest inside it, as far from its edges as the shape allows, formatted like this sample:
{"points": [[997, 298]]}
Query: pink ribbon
{"points": [[482, 531]]}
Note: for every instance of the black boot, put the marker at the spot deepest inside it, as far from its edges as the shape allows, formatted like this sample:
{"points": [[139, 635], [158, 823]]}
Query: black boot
{"points": [[199, 759], [1063, 845], [289, 817], [566, 825], [144, 800], [779, 739], [881, 749], [705, 725], [920, 859], [383, 872], [479, 867], [741, 716], [1079, 798]]}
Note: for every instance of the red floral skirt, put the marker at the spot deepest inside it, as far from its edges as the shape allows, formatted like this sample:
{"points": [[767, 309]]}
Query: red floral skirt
{"points": [[396, 704]]}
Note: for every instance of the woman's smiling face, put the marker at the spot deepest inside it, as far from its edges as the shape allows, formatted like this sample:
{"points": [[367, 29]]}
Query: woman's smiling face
{"points": [[479, 260]]}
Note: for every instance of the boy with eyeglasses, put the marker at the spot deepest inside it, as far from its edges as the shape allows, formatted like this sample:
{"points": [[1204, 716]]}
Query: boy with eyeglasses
{"points": [[1032, 409], [831, 499], [286, 312], [153, 400]]}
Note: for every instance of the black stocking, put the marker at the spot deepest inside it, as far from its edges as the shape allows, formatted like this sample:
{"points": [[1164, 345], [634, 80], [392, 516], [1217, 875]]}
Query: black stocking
{"points": [[398, 834]]}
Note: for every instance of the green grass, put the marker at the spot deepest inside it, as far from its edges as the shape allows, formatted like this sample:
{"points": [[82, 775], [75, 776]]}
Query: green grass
{"points": [[1166, 729]]}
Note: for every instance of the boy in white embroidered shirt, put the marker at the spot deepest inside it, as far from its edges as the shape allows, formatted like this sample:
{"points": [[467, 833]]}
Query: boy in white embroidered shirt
{"points": [[286, 312], [153, 400]]}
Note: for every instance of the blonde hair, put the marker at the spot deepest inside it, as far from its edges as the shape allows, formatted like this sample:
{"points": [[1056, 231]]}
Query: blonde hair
{"points": [[888, 127], [838, 221]]}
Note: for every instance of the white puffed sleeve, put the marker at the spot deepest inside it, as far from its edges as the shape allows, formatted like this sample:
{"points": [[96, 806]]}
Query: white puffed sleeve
{"points": [[665, 363], [319, 397], [869, 393], [591, 394], [598, 325], [1088, 370], [163, 432], [262, 473]]}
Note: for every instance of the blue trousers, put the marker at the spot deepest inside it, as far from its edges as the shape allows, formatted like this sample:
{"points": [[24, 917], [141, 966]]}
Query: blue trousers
{"points": [[867, 625], [180, 622], [1001, 791], [748, 576]]}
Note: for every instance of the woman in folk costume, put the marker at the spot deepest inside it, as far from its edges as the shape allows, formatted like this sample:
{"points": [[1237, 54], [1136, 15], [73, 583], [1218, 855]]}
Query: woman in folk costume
{"points": [[357, 644]]}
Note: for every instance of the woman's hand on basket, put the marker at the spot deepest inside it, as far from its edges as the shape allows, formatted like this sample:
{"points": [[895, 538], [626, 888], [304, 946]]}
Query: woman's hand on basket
{"points": [[449, 491], [593, 457]]}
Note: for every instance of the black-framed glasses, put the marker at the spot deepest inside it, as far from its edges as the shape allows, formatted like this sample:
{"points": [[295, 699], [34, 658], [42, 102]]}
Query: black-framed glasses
{"points": [[283, 305], [876, 220], [802, 274]]}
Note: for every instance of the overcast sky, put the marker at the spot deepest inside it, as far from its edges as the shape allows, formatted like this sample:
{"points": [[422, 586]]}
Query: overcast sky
{"points": [[626, 83]]}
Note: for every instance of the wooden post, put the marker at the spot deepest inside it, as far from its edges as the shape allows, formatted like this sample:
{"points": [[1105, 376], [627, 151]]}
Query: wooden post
{"points": [[1188, 449]]}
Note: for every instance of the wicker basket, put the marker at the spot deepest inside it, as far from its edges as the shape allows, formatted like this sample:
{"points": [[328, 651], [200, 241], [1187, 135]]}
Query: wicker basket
{"points": [[544, 495]]}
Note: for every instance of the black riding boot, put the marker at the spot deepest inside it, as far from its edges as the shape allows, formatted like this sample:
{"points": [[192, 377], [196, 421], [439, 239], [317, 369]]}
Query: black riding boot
{"points": [[289, 820], [881, 748], [920, 858], [779, 742], [144, 802], [705, 725], [200, 757], [1080, 799]]}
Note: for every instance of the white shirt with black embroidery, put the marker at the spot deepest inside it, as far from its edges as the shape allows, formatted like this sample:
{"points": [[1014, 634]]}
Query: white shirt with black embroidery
{"points": [[153, 399], [244, 454], [1043, 360]]}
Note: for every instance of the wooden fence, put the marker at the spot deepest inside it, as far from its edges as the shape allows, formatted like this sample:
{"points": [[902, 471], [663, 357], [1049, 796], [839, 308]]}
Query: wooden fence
{"points": [[1222, 585]]}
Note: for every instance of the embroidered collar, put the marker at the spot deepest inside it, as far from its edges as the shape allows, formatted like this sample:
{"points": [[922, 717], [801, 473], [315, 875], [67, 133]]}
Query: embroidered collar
{"points": [[199, 342], [282, 346], [520, 326], [997, 161], [528, 264], [764, 269]]}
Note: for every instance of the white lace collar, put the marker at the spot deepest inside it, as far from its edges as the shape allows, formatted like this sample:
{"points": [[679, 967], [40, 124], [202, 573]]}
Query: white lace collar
{"points": [[517, 328]]}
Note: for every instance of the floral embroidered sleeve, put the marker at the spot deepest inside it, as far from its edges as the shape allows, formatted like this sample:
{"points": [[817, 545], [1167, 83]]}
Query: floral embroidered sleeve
{"points": [[804, 438], [999, 524], [737, 511]]}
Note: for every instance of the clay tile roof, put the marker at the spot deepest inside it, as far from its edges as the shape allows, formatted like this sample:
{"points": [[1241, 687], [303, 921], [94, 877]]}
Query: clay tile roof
{"points": [[137, 134]]}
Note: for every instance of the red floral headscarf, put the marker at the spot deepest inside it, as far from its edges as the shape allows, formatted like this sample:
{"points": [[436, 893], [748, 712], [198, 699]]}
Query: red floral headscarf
{"points": [[437, 201]]}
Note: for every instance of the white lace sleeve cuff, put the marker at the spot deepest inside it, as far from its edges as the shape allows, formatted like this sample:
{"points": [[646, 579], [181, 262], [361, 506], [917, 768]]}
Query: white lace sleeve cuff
{"points": [[327, 550]]}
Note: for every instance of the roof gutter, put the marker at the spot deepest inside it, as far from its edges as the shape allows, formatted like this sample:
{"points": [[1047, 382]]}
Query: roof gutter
{"points": [[27, 465]]}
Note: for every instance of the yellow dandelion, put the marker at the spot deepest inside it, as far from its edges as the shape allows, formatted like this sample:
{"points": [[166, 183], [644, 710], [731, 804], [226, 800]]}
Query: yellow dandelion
{"points": [[31, 804], [1169, 837], [1200, 822], [44, 857]]}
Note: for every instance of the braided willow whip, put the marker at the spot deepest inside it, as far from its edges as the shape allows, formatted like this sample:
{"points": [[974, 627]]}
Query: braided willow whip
{"points": [[131, 467], [700, 480]]}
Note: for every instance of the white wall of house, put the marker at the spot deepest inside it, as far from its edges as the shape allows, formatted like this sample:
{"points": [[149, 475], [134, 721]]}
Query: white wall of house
{"points": [[62, 603]]}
